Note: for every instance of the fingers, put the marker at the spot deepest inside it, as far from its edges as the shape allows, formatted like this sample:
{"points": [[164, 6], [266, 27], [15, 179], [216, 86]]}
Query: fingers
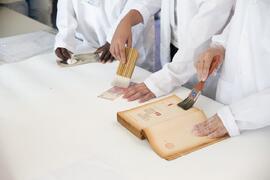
{"points": [[205, 128], [138, 92], [220, 132], [199, 67], [99, 50], [102, 55], [213, 128], [205, 68], [105, 53], [204, 63], [129, 42], [106, 46], [121, 36], [111, 58], [147, 97], [59, 53], [136, 96], [130, 92], [202, 129], [122, 52], [107, 57], [117, 51], [113, 50], [63, 53]]}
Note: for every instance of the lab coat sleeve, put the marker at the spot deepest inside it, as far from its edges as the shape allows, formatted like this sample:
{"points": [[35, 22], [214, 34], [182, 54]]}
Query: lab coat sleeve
{"points": [[171, 76], [221, 39], [212, 14], [249, 113], [147, 8], [67, 24]]}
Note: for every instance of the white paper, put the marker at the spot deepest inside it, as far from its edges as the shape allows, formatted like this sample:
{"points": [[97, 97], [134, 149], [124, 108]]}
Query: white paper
{"points": [[21, 47]]}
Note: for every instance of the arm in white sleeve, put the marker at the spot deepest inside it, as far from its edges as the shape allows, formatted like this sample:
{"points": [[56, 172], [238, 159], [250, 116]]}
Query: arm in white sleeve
{"points": [[249, 113], [147, 8], [66, 24], [221, 39], [171, 76], [210, 20]]}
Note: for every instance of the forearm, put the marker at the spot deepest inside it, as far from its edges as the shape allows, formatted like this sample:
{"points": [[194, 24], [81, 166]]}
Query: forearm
{"points": [[171, 76], [141, 11], [126, 16], [212, 14], [133, 17]]}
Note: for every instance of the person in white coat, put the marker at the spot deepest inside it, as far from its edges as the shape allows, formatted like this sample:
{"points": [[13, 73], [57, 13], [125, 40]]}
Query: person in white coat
{"points": [[86, 26], [187, 24], [244, 83]]}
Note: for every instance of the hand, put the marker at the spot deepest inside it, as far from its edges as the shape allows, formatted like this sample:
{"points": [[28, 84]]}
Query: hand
{"points": [[63, 53], [121, 37], [105, 53], [205, 60], [213, 128], [138, 91]]}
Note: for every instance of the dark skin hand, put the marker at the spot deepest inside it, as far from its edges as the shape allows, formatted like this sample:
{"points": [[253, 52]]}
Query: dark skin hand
{"points": [[63, 53], [105, 54]]}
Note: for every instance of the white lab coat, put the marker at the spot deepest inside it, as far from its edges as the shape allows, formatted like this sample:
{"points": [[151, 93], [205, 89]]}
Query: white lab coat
{"points": [[244, 83], [93, 22], [198, 21]]}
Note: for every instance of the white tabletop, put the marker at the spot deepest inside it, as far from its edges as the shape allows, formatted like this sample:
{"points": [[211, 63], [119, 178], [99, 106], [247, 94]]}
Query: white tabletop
{"points": [[50, 118], [14, 23]]}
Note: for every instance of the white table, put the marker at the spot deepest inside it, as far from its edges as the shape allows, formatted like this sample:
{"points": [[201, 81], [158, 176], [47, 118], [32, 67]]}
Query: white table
{"points": [[50, 117], [14, 23]]}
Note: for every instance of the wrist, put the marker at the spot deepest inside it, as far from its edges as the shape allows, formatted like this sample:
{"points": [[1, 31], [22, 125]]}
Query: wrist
{"points": [[133, 17], [125, 23], [218, 48]]}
